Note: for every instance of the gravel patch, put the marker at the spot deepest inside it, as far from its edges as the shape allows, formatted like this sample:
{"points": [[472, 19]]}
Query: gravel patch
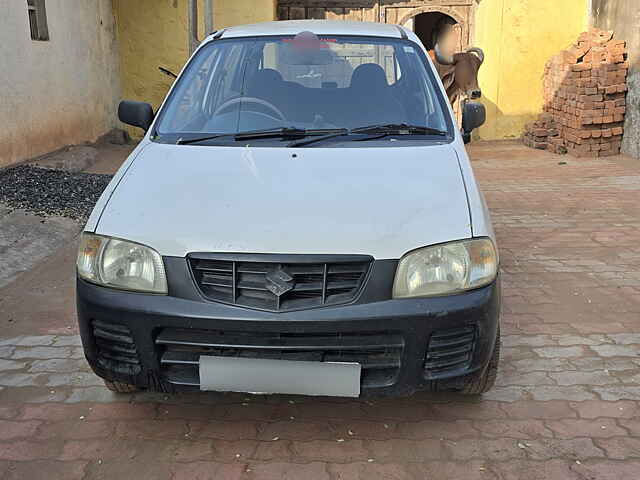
{"points": [[44, 191]]}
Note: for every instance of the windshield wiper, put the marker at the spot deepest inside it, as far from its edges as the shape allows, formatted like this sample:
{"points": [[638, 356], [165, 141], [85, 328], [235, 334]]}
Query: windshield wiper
{"points": [[284, 132], [272, 132], [397, 129], [378, 131], [187, 141], [287, 132], [339, 132]]}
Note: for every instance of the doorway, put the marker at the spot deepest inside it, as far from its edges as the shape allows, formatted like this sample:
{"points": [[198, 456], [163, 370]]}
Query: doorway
{"points": [[433, 27], [427, 25]]}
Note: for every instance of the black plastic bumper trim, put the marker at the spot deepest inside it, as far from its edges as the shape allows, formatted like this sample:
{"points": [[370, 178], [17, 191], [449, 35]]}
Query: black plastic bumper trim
{"points": [[413, 320]]}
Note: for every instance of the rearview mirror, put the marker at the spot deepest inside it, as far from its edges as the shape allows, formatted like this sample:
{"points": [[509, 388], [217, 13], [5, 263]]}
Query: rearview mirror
{"points": [[473, 116], [138, 114]]}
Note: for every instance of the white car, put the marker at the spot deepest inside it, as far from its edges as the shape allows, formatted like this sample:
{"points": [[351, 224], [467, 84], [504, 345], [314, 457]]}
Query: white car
{"points": [[301, 217]]}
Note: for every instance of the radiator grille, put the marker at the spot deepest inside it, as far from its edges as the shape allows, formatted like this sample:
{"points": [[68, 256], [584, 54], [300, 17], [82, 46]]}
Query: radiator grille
{"points": [[278, 286], [116, 348], [450, 351], [379, 353]]}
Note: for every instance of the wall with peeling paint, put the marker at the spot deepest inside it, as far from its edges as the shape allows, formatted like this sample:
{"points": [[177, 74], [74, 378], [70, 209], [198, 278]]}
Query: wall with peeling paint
{"points": [[57, 92]]}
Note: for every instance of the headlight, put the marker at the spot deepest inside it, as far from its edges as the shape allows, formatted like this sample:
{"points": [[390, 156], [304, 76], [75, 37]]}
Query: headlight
{"points": [[446, 269], [120, 264]]}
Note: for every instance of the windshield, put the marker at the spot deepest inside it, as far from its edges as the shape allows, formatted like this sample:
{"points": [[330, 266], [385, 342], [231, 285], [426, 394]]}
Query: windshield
{"points": [[303, 82]]}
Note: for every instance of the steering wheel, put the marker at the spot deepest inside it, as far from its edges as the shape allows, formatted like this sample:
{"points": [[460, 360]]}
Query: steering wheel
{"points": [[259, 101]]}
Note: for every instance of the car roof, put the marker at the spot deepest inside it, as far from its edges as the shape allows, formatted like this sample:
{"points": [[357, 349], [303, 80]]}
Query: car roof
{"points": [[320, 27]]}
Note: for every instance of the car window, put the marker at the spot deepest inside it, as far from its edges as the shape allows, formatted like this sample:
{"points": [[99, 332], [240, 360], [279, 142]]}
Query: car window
{"points": [[228, 80], [215, 79], [342, 59], [188, 101], [324, 82]]}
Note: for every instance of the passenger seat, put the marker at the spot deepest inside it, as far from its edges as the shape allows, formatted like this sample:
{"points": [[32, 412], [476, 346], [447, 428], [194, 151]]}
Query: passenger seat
{"points": [[371, 98]]}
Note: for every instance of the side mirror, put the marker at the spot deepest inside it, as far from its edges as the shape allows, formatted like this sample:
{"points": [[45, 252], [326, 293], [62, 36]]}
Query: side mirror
{"points": [[473, 116], [138, 114]]}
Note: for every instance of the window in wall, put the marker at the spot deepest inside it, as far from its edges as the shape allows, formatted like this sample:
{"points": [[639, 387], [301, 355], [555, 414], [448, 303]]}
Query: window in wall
{"points": [[38, 20]]}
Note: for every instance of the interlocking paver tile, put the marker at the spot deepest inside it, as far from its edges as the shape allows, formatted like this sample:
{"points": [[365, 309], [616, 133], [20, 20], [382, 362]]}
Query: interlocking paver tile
{"points": [[566, 407]]}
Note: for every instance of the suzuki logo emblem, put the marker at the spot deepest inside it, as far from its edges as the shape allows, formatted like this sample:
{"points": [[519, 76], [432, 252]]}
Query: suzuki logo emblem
{"points": [[279, 282]]}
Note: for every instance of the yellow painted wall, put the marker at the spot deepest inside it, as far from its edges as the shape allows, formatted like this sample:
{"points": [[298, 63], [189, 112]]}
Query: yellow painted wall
{"points": [[518, 37], [227, 13], [154, 33]]}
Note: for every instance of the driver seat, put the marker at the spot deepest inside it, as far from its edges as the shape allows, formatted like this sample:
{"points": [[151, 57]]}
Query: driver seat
{"points": [[265, 84]]}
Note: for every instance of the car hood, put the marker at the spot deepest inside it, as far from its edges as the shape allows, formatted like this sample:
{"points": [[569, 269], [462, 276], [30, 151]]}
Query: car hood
{"points": [[377, 201]]}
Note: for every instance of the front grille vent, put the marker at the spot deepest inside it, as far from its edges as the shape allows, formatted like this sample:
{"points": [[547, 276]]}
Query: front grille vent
{"points": [[450, 351], [279, 286], [116, 347], [378, 353]]}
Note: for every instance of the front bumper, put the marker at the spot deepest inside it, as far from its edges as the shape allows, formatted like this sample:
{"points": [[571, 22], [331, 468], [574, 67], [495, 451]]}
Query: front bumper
{"points": [[404, 345]]}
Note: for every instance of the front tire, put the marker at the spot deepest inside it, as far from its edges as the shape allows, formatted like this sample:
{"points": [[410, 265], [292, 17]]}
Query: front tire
{"points": [[482, 382], [120, 387]]}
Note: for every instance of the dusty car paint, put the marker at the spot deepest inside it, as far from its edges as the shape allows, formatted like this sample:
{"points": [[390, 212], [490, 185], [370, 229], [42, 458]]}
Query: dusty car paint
{"points": [[379, 201], [384, 201]]}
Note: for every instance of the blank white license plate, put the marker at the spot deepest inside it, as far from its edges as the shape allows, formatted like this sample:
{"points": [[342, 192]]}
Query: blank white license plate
{"points": [[226, 374]]}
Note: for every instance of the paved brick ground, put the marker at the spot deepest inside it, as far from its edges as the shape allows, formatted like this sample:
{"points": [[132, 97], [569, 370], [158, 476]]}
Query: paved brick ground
{"points": [[567, 405]]}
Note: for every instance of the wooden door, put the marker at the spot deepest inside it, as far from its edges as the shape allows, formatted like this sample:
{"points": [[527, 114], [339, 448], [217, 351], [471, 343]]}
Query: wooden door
{"points": [[357, 10]]}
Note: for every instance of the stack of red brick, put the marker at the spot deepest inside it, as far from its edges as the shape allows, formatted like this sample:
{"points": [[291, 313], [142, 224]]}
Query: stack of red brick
{"points": [[542, 133], [584, 95]]}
